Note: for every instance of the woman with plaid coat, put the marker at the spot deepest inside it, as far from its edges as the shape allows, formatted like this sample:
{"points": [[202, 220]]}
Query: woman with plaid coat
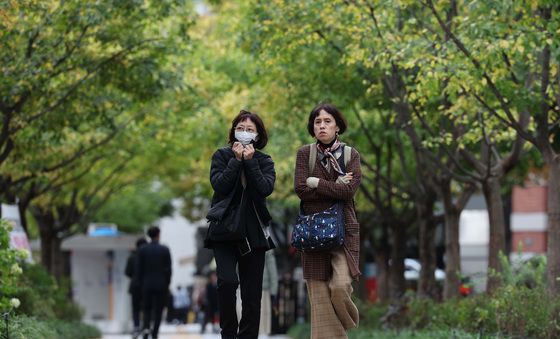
{"points": [[329, 274]]}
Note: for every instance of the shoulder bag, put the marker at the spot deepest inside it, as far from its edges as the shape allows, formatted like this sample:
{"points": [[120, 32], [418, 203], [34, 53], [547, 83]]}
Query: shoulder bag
{"points": [[321, 231], [226, 218]]}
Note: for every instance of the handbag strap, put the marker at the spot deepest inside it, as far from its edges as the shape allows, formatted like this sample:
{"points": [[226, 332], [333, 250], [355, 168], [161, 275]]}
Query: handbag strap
{"points": [[346, 154], [265, 231]]}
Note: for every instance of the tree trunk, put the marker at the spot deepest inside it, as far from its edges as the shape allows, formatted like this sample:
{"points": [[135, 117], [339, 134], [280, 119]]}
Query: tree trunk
{"points": [[492, 195], [453, 255], [426, 245], [23, 218], [398, 250], [58, 259], [553, 251], [52, 257], [452, 246], [45, 223], [381, 260]]}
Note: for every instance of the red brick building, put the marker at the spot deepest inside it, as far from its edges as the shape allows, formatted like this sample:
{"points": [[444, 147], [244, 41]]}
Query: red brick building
{"points": [[529, 219]]}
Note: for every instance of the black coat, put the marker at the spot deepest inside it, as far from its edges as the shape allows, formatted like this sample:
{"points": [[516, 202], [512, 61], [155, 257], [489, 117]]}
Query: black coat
{"points": [[129, 271], [154, 267], [260, 175]]}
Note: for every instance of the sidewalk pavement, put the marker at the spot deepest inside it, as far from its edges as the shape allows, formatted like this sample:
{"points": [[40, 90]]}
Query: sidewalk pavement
{"points": [[189, 331]]}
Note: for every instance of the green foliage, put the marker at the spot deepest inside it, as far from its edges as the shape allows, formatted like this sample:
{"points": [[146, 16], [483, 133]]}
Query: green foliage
{"points": [[521, 308], [31, 293], [364, 331], [136, 206], [23, 327], [43, 298], [512, 310], [370, 314], [530, 272], [473, 315], [9, 269], [300, 331]]}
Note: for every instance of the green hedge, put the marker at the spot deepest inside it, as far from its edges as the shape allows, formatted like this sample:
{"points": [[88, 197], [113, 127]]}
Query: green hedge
{"points": [[513, 311], [43, 297], [36, 304], [303, 331], [22, 327]]}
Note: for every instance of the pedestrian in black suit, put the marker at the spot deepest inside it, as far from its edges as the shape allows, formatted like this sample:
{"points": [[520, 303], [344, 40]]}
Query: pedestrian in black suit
{"points": [[210, 305], [154, 272], [134, 288]]}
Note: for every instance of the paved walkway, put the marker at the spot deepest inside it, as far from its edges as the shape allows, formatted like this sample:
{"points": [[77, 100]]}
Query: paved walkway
{"points": [[190, 331]]}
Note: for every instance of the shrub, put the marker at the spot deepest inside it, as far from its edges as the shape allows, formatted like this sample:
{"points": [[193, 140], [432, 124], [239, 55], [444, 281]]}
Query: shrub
{"points": [[526, 312], [9, 269], [34, 303], [473, 315], [43, 297], [300, 331], [512, 310], [370, 314], [23, 327]]}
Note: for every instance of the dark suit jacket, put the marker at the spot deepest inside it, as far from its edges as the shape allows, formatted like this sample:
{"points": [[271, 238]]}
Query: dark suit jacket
{"points": [[154, 267], [129, 271]]}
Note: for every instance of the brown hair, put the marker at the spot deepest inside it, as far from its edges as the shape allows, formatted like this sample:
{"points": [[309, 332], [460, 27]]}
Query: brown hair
{"points": [[243, 115], [332, 110]]}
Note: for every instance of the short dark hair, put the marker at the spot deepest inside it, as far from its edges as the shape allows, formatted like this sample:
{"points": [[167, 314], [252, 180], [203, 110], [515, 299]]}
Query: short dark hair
{"points": [[140, 242], [153, 232], [332, 110], [243, 115]]}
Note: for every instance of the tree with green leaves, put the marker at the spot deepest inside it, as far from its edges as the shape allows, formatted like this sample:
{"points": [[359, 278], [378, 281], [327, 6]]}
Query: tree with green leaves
{"points": [[508, 53], [71, 68]]}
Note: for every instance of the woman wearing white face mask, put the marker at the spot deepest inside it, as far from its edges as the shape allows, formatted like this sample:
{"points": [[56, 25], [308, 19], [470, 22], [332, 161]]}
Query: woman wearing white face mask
{"points": [[242, 177]]}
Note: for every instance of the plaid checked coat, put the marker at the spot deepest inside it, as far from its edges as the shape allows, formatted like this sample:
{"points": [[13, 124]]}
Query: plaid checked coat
{"points": [[317, 266]]}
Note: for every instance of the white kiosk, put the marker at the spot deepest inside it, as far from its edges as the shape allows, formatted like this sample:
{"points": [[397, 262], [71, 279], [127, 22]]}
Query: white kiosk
{"points": [[98, 261]]}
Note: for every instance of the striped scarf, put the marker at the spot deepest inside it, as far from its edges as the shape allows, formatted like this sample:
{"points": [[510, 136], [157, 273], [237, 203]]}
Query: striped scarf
{"points": [[328, 152]]}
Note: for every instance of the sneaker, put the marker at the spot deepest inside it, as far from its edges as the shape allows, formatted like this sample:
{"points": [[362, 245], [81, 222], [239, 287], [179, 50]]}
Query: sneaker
{"points": [[146, 334]]}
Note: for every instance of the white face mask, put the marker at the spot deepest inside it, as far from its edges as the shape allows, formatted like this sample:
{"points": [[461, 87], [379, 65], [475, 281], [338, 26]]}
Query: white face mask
{"points": [[244, 137]]}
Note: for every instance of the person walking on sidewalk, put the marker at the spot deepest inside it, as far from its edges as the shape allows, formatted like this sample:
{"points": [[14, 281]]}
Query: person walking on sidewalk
{"points": [[154, 274], [134, 288], [242, 177], [329, 274], [210, 305]]}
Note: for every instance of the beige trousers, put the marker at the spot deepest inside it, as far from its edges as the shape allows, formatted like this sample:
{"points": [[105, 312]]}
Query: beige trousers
{"points": [[332, 310]]}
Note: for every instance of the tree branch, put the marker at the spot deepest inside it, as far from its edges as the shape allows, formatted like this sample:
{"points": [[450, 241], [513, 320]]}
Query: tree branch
{"points": [[493, 88]]}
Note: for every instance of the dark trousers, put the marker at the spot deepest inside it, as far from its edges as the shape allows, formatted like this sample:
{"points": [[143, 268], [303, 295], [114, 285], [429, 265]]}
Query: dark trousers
{"points": [[136, 297], [153, 300], [250, 267]]}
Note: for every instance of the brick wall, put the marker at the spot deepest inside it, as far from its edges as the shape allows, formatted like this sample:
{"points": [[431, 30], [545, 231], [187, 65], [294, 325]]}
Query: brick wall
{"points": [[529, 199], [529, 207], [534, 242]]}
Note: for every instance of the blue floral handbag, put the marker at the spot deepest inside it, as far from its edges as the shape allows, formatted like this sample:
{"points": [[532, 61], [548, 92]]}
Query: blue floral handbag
{"points": [[321, 231]]}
